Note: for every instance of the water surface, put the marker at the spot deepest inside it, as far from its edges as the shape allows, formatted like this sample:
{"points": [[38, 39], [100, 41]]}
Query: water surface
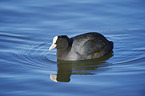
{"points": [[27, 28]]}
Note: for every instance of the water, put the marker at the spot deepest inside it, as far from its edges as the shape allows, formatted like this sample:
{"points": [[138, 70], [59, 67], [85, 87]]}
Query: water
{"points": [[27, 28]]}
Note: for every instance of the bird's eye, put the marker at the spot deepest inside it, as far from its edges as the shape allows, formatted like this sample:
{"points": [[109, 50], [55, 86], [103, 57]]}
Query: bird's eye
{"points": [[57, 41]]}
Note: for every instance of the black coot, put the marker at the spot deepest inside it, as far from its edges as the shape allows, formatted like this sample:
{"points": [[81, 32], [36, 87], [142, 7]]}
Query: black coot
{"points": [[85, 46]]}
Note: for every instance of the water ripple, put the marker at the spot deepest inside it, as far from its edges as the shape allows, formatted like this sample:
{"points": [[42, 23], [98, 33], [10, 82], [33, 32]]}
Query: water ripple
{"points": [[34, 55], [26, 52]]}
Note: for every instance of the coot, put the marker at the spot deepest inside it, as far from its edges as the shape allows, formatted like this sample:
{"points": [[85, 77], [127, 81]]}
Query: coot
{"points": [[85, 46]]}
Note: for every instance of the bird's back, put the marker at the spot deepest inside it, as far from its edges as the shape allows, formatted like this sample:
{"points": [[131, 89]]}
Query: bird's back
{"points": [[91, 45]]}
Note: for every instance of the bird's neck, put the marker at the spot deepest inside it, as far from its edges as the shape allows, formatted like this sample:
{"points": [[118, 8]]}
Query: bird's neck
{"points": [[63, 52]]}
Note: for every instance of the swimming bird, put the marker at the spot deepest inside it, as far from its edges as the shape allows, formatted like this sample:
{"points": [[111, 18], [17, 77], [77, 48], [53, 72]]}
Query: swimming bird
{"points": [[81, 47]]}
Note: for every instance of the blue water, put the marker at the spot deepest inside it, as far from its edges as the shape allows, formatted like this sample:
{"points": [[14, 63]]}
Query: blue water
{"points": [[27, 28]]}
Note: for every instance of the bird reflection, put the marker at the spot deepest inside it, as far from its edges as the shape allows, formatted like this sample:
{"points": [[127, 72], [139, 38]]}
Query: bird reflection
{"points": [[86, 67]]}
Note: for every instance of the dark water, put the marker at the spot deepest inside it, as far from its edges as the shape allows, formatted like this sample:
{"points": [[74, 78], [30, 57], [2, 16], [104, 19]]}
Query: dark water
{"points": [[27, 28]]}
